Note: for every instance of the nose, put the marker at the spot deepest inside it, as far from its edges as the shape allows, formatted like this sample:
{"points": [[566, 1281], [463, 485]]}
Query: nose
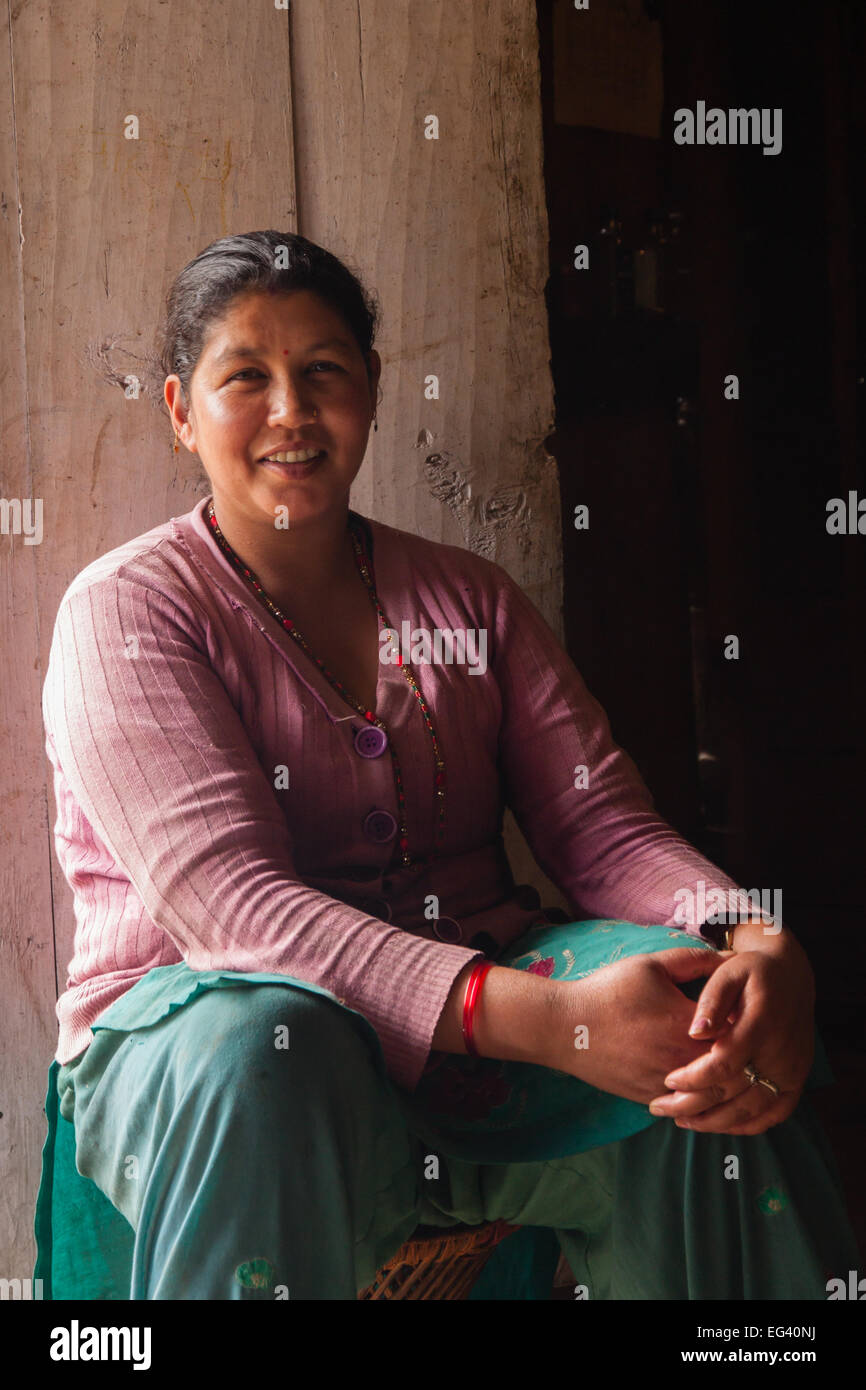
{"points": [[291, 402]]}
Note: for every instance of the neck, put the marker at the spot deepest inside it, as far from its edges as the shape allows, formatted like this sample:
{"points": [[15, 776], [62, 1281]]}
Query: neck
{"points": [[307, 564]]}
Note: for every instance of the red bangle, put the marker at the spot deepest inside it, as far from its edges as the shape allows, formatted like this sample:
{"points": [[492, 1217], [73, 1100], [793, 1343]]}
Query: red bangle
{"points": [[473, 990]]}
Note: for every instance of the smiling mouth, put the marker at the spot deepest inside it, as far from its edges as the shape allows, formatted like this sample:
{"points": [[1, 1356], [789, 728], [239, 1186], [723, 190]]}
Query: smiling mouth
{"points": [[299, 456]]}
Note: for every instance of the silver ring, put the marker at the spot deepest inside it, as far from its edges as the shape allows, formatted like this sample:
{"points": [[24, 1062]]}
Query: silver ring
{"points": [[756, 1080]]}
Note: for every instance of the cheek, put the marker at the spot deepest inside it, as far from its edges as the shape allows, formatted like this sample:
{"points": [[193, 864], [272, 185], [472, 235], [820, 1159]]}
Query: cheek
{"points": [[227, 408], [358, 405], [231, 417]]}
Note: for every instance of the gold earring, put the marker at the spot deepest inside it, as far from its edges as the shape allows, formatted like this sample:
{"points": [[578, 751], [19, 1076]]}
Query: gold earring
{"points": [[315, 412], [175, 441]]}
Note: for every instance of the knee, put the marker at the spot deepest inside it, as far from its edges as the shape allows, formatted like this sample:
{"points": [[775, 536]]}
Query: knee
{"points": [[262, 1036]]}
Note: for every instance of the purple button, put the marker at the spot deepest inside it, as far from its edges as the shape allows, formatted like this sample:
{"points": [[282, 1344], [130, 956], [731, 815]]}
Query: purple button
{"points": [[447, 929], [371, 741], [380, 826]]}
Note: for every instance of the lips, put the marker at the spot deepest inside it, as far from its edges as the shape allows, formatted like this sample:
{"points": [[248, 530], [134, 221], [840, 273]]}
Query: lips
{"points": [[304, 453], [294, 472]]}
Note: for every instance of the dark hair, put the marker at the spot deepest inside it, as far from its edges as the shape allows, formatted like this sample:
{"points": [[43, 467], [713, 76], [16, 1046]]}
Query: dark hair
{"points": [[233, 265]]}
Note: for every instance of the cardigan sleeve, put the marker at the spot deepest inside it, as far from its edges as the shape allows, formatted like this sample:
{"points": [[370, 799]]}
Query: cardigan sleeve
{"points": [[161, 764], [578, 798]]}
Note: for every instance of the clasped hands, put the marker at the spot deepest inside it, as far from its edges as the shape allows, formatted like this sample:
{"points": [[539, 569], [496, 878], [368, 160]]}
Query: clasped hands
{"points": [[757, 1008]]}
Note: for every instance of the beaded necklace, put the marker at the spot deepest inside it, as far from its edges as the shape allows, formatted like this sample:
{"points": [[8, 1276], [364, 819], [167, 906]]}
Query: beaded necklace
{"points": [[365, 565]]}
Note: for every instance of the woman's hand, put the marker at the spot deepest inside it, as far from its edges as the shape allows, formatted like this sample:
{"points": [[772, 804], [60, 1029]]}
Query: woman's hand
{"points": [[769, 993], [636, 1021]]}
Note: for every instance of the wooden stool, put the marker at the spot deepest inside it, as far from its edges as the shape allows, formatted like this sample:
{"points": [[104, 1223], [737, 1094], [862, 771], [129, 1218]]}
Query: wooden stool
{"points": [[438, 1263]]}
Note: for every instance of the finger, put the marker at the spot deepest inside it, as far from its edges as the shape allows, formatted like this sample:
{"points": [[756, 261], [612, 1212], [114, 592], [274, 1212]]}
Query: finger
{"points": [[743, 1109], [724, 1065], [717, 1001], [695, 1099], [728, 1054], [745, 1115], [719, 1066], [683, 1104], [689, 962]]}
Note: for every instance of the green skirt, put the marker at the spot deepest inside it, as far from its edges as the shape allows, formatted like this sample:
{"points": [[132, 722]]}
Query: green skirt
{"points": [[640, 1208]]}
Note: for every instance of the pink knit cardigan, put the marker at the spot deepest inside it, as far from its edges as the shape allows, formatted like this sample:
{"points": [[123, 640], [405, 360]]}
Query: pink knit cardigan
{"points": [[215, 804]]}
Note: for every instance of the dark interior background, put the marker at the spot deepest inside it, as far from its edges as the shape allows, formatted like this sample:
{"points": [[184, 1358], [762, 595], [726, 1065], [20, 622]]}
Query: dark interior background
{"points": [[708, 516]]}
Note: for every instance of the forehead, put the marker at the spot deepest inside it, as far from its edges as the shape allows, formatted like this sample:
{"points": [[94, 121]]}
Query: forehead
{"points": [[257, 319]]}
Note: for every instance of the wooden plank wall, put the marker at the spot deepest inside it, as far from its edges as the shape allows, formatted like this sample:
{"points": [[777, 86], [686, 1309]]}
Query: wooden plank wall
{"points": [[311, 120]]}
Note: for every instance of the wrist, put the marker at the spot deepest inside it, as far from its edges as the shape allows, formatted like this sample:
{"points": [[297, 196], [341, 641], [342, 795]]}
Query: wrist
{"points": [[783, 950], [760, 935], [448, 1035], [574, 1013], [515, 1016], [756, 927], [472, 994]]}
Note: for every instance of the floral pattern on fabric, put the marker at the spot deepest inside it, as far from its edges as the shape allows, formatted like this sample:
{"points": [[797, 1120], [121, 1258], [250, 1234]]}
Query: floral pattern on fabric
{"points": [[469, 1093], [255, 1274], [542, 967], [772, 1200]]}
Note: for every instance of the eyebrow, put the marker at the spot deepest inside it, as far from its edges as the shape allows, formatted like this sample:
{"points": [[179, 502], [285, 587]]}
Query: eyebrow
{"points": [[228, 354]]}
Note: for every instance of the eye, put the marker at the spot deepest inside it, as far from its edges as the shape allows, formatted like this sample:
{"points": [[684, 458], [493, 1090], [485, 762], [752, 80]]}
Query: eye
{"points": [[329, 366]]}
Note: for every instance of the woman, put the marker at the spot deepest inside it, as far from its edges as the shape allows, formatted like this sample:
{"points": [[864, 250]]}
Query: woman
{"points": [[283, 832]]}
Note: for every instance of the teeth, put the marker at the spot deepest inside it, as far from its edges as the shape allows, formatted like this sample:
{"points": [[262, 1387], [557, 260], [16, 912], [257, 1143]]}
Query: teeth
{"points": [[301, 456]]}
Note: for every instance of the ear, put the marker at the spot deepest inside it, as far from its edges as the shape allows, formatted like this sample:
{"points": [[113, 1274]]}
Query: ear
{"points": [[179, 411]]}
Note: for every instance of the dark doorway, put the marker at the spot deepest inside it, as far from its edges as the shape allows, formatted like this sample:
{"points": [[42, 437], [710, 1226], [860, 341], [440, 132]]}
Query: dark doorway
{"points": [[708, 515]]}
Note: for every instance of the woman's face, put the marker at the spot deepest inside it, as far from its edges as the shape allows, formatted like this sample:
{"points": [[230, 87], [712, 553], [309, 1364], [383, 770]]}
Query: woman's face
{"points": [[278, 373]]}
